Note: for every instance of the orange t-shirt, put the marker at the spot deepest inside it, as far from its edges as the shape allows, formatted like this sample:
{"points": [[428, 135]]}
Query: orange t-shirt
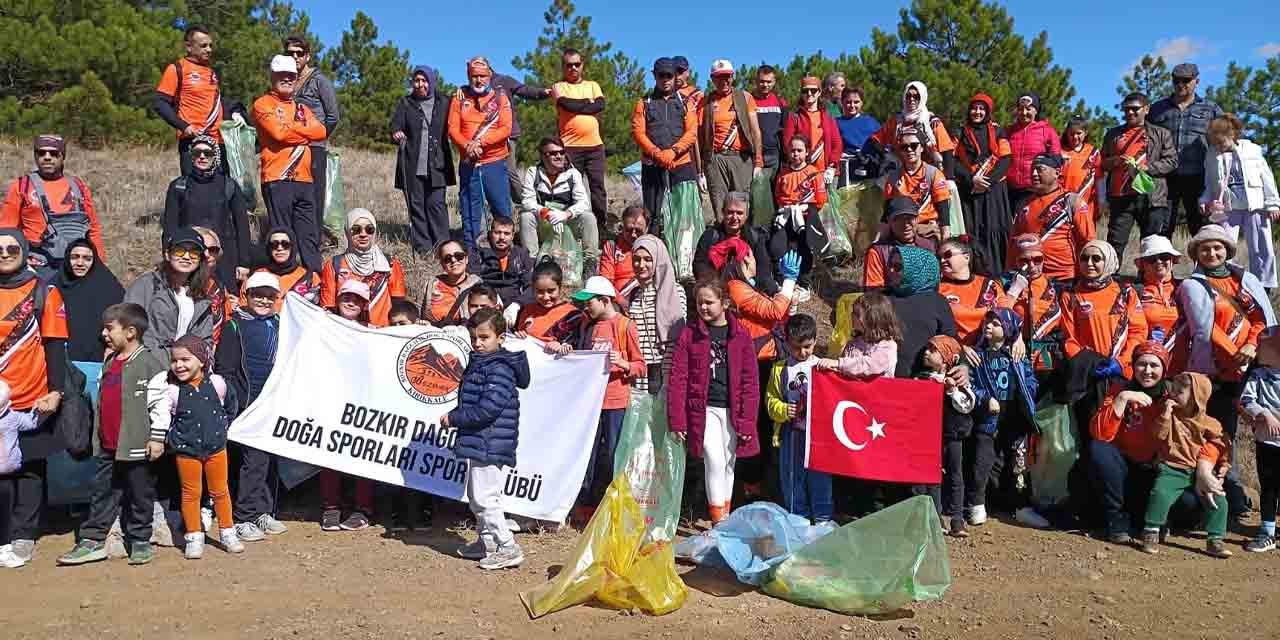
{"points": [[1134, 434], [1131, 143], [383, 286], [578, 129], [1104, 321], [292, 281], [199, 96], [619, 334], [725, 131], [970, 302], [1038, 307], [537, 321], [1231, 328], [285, 140], [802, 186], [692, 97], [817, 150], [22, 209], [928, 195], [488, 117], [1061, 235], [1160, 308], [22, 336], [1082, 172], [887, 136]]}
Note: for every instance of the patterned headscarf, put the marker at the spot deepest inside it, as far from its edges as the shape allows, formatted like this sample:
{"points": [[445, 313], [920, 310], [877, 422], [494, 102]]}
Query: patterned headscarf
{"points": [[670, 315], [920, 271], [208, 141]]}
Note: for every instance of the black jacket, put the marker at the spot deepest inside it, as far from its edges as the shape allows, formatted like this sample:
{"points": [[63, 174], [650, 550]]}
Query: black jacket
{"points": [[921, 316], [408, 118], [767, 245], [512, 282], [215, 203]]}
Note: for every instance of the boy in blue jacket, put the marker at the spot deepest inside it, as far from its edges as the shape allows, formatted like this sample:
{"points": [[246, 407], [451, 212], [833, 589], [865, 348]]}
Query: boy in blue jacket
{"points": [[487, 419]]}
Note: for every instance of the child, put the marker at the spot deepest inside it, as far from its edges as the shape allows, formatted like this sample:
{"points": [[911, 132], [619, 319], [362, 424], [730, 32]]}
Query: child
{"points": [[124, 446], [873, 349], [191, 412], [1260, 402], [799, 192], [407, 508], [714, 393], [352, 304], [482, 296], [1193, 451], [805, 493], [403, 313], [550, 317], [942, 355], [487, 420]]}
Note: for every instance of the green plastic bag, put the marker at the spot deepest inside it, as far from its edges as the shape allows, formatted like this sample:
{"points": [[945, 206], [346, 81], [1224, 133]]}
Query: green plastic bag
{"points": [[1054, 452], [861, 207], [682, 225], [563, 247], [763, 208], [241, 141], [956, 209], [1142, 181], [654, 460], [834, 224], [876, 564], [335, 202]]}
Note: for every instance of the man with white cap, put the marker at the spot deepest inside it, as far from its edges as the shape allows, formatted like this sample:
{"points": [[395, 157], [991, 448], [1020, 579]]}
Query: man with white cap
{"points": [[245, 357], [1158, 291], [728, 137], [286, 131]]}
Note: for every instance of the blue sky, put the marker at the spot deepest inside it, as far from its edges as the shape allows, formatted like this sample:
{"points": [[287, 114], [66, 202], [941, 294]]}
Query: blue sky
{"points": [[1090, 37]]}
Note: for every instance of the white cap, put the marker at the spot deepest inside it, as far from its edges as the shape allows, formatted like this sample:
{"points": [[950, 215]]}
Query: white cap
{"points": [[721, 66], [262, 279], [1156, 245], [283, 64], [596, 286]]}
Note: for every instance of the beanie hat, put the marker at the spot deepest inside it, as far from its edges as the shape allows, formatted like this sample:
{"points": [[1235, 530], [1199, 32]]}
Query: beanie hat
{"points": [[948, 347], [195, 346]]}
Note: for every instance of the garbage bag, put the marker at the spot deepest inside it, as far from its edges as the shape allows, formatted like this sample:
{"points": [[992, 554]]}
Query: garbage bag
{"points": [[758, 536], [956, 209], [861, 207], [1053, 452], [834, 224], [682, 225], [632, 173], [563, 247], [842, 332], [335, 201], [763, 207], [71, 480], [876, 564], [612, 565], [241, 141], [701, 550], [654, 461]]}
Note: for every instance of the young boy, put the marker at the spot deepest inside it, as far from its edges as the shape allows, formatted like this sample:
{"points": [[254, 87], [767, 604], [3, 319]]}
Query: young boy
{"points": [[805, 493], [941, 355], [1260, 402], [403, 313], [123, 444], [481, 296], [487, 420], [407, 505]]}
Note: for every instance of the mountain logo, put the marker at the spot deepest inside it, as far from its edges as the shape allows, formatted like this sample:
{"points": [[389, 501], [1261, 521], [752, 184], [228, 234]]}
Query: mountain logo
{"points": [[430, 367]]}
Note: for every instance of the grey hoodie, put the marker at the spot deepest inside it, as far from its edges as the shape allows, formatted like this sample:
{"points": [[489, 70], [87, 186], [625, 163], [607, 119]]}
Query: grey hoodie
{"points": [[318, 95]]}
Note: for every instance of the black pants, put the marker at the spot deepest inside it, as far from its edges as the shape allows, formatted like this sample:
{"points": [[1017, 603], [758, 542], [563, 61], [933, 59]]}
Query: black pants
{"points": [[184, 157], [1222, 407], [255, 484], [1125, 211], [319, 182], [805, 241], [979, 455], [591, 162], [292, 204], [654, 181], [118, 485], [953, 482], [27, 498], [428, 215], [755, 471], [1268, 461], [1184, 195]]}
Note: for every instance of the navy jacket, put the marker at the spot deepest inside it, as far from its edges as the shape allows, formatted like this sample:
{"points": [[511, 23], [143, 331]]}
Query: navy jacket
{"points": [[200, 419], [1019, 388], [488, 413]]}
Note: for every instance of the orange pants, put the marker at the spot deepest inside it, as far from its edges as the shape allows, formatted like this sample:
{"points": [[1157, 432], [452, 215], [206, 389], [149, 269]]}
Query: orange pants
{"points": [[214, 471]]}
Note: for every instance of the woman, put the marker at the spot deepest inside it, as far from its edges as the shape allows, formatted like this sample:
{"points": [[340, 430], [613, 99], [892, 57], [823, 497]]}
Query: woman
{"points": [[365, 261], [855, 128], [811, 122], [1100, 315], [915, 115], [32, 346], [444, 302], [207, 197], [1240, 191], [176, 293], [658, 306], [971, 296], [223, 303], [1083, 166], [982, 160], [283, 262], [1158, 292], [424, 164], [1030, 136], [88, 287], [912, 279]]}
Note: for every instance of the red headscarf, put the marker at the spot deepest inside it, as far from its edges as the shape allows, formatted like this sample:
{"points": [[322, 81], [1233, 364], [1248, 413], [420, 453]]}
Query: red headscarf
{"points": [[948, 347], [729, 249], [1152, 348]]}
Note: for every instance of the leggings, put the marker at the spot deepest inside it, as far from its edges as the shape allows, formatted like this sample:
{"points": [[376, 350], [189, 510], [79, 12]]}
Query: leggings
{"points": [[214, 471], [719, 443]]}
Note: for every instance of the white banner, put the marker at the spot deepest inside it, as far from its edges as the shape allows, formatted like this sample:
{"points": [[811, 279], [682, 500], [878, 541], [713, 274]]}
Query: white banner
{"points": [[368, 402]]}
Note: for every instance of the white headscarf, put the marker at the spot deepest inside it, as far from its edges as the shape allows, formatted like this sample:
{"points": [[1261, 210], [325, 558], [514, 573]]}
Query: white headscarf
{"points": [[919, 115], [364, 263]]}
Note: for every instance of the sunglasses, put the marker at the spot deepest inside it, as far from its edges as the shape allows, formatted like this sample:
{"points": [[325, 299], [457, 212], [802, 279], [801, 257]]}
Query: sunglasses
{"points": [[1164, 257], [664, 76], [280, 244], [909, 146], [1182, 80], [573, 65], [1131, 108], [947, 255], [450, 258], [1093, 258], [809, 91], [11, 250], [214, 250], [1035, 260], [202, 153], [49, 153], [553, 152], [366, 230], [296, 53], [186, 252]]}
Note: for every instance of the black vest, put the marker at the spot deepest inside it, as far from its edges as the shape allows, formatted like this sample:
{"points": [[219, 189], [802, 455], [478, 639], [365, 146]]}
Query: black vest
{"points": [[664, 119]]}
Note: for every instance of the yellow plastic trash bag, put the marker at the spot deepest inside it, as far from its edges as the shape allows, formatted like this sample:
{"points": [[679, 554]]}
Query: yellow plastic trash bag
{"points": [[843, 329], [609, 564]]}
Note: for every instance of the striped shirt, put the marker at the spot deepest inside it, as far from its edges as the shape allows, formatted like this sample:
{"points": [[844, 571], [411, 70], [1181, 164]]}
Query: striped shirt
{"points": [[644, 314]]}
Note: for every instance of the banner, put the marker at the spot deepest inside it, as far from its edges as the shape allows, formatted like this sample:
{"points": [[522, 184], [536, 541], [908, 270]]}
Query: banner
{"points": [[887, 429], [368, 402]]}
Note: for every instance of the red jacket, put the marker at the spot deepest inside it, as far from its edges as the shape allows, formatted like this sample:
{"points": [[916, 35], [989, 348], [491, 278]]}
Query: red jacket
{"points": [[798, 125], [1027, 142], [690, 378]]}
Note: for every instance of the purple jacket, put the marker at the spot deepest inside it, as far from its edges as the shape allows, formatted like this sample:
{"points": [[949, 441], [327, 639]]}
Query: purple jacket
{"points": [[691, 375]]}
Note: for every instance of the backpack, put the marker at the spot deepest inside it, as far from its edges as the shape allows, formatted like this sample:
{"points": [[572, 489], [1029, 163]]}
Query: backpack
{"points": [[73, 422], [60, 229]]}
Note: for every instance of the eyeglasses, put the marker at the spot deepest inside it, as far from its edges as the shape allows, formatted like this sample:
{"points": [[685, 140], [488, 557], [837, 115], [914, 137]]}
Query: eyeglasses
{"points": [[41, 153], [280, 244], [450, 258], [1090, 257], [11, 250], [909, 146], [1035, 260], [213, 250], [553, 152], [810, 91], [1131, 108], [186, 252], [202, 153], [366, 230]]}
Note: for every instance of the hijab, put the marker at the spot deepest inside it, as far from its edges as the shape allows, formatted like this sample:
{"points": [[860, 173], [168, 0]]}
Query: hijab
{"points": [[293, 262], [86, 298], [24, 274], [207, 140], [920, 271], [1110, 264], [667, 303], [425, 103], [978, 146], [1009, 321], [364, 263], [920, 115]]}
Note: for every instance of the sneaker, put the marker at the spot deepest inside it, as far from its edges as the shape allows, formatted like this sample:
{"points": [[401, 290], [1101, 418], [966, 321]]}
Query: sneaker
{"points": [[803, 294], [957, 528], [978, 515], [1150, 542], [1217, 548], [141, 553], [115, 547], [161, 534], [1120, 537], [195, 546], [1260, 543], [8, 559], [1029, 517], [24, 549], [505, 557], [206, 519], [269, 525], [330, 519], [230, 541], [355, 522], [478, 550], [249, 532], [84, 552]]}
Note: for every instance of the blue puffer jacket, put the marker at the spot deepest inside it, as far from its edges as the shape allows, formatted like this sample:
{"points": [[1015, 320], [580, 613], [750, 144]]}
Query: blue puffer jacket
{"points": [[488, 413], [1017, 383]]}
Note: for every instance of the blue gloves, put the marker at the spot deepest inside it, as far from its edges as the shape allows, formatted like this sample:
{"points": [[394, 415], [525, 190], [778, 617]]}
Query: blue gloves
{"points": [[1111, 369], [790, 265]]}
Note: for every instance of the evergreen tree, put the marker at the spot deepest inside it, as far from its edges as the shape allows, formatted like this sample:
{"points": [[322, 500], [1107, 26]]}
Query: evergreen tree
{"points": [[1150, 77], [1254, 96], [370, 78]]}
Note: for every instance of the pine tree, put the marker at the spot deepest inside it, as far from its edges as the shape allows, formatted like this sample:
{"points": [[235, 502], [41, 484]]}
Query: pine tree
{"points": [[1150, 77], [370, 78]]}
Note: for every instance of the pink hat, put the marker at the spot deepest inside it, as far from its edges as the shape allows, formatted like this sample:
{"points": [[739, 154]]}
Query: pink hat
{"points": [[357, 287]]}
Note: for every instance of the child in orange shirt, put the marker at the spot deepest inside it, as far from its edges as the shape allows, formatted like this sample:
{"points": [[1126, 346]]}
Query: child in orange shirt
{"points": [[799, 192]]}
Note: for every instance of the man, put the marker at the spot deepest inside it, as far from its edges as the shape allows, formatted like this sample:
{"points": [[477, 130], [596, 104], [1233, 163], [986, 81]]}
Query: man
{"points": [[767, 243], [480, 119], [50, 208], [1186, 115], [834, 85], [728, 136], [902, 214], [317, 93], [615, 257], [189, 96], [579, 104], [666, 130], [692, 97], [556, 192], [515, 89], [923, 183], [1060, 219], [424, 164], [502, 265], [286, 131], [1135, 145], [771, 110]]}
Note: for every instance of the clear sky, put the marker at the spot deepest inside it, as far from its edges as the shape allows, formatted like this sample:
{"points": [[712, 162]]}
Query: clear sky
{"points": [[1098, 40]]}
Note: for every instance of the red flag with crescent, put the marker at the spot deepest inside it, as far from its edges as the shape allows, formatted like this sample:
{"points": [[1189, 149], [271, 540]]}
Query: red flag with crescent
{"points": [[886, 429]]}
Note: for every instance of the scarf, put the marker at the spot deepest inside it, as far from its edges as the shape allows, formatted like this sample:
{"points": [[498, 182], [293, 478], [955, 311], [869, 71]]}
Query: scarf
{"points": [[667, 304], [364, 263], [288, 266], [920, 271], [920, 115], [1009, 321], [24, 274], [426, 103], [207, 140], [949, 348], [85, 299], [1110, 264], [1220, 271]]}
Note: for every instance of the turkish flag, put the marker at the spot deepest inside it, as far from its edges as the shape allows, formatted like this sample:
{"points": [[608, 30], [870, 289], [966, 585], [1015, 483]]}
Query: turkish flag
{"points": [[887, 429]]}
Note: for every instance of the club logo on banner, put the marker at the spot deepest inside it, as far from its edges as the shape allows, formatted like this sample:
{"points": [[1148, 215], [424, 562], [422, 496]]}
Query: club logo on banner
{"points": [[368, 402]]}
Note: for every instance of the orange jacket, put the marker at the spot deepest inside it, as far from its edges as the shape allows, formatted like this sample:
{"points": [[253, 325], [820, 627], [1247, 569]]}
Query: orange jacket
{"points": [[286, 130], [1082, 173], [970, 302], [803, 186], [22, 209], [383, 288], [616, 266], [487, 118], [1232, 330], [759, 314], [1108, 321], [1061, 234], [1134, 433], [680, 153]]}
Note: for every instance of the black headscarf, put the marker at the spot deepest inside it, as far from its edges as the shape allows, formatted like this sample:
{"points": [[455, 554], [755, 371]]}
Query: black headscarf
{"points": [[291, 264], [24, 274], [86, 298]]}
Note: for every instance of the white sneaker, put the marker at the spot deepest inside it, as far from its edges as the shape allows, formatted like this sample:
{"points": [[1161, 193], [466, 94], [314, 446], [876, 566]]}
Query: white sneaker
{"points": [[803, 294], [1031, 518], [249, 532], [270, 526], [24, 548], [206, 519], [231, 541], [161, 534], [195, 546], [7, 558], [978, 515], [115, 546], [505, 557]]}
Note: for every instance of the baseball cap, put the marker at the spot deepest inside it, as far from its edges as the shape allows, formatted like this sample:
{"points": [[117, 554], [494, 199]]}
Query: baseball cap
{"points": [[902, 206], [264, 279], [187, 235], [664, 65], [681, 63], [596, 286], [721, 67], [1157, 245], [283, 64], [352, 285], [1186, 70]]}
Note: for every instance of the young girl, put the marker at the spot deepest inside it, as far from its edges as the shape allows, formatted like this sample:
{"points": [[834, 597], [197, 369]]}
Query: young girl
{"points": [[799, 192], [714, 395], [192, 411], [352, 304], [550, 317], [941, 355], [873, 351]]}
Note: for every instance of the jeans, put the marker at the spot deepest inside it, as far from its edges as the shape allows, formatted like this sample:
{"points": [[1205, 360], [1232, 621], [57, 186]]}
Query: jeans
{"points": [[805, 493], [600, 467], [1122, 485], [591, 162], [478, 184], [292, 204], [118, 485], [980, 456], [953, 479], [1184, 194], [1127, 210]]}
